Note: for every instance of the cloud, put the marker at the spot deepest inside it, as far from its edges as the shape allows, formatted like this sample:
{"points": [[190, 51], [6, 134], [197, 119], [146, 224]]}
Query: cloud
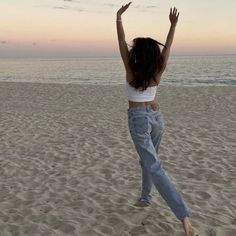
{"points": [[62, 8], [65, 6], [81, 6], [72, 1], [112, 5], [145, 7], [68, 8]]}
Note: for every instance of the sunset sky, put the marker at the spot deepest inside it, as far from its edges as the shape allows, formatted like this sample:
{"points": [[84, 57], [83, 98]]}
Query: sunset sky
{"points": [[86, 28]]}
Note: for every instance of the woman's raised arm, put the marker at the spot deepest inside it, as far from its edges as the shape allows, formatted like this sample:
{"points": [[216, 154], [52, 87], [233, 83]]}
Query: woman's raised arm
{"points": [[121, 36], [173, 16]]}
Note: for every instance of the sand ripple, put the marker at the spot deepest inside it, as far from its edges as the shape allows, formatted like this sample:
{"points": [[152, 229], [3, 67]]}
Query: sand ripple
{"points": [[69, 167]]}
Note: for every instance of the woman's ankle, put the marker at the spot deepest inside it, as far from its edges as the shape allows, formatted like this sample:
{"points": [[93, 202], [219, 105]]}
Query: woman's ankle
{"points": [[185, 220]]}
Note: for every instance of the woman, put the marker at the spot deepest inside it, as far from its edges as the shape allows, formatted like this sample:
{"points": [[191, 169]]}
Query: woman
{"points": [[144, 65]]}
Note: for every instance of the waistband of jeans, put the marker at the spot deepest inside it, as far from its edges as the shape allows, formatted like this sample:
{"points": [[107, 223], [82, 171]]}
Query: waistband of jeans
{"points": [[147, 108]]}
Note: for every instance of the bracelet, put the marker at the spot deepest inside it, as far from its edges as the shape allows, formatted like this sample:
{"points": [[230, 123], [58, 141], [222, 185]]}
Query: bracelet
{"points": [[119, 20]]}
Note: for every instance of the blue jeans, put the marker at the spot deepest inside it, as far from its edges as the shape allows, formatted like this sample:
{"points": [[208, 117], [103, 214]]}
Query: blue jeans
{"points": [[146, 127]]}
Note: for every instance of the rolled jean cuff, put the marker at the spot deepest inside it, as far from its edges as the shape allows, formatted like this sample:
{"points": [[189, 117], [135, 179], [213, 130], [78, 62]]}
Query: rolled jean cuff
{"points": [[145, 200], [183, 217]]}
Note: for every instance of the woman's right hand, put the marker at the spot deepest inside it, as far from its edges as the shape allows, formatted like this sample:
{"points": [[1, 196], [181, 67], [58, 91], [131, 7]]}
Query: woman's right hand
{"points": [[123, 9]]}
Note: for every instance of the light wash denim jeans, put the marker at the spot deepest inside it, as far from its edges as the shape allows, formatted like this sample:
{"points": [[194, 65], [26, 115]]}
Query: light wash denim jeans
{"points": [[146, 127]]}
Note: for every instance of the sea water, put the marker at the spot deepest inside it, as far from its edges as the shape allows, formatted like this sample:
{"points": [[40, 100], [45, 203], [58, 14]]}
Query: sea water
{"points": [[181, 70]]}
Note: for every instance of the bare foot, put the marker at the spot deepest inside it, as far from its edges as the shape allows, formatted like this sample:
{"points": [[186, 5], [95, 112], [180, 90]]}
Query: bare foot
{"points": [[188, 227]]}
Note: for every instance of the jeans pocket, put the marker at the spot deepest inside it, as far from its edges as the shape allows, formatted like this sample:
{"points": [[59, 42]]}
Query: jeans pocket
{"points": [[138, 124]]}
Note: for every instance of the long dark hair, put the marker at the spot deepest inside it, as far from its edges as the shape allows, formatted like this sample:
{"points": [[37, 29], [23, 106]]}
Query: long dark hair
{"points": [[145, 61]]}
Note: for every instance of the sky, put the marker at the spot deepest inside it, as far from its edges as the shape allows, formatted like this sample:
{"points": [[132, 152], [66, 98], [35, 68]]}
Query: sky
{"points": [[86, 28]]}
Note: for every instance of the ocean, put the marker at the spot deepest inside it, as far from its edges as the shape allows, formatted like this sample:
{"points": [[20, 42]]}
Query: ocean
{"points": [[181, 70]]}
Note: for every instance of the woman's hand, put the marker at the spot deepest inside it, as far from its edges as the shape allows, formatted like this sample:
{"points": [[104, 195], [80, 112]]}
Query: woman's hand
{"points": [[173, 16], [123, 9]]}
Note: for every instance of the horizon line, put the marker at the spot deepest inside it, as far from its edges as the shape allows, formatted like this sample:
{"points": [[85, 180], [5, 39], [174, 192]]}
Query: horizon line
{"points": [[106, 56]]}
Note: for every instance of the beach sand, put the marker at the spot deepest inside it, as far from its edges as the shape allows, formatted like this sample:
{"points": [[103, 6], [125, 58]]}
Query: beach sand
{"points": [[69, 167]]}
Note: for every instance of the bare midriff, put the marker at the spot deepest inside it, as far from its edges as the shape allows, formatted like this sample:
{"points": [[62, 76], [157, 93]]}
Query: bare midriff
{"points": [[154, 104]]}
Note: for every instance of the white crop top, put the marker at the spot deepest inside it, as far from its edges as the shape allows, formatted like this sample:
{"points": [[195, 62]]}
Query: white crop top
{"points": [[136, 95]]}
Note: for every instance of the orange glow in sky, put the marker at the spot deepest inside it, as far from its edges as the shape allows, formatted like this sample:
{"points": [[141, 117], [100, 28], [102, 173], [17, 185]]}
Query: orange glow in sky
{"points": [[87, 28]]}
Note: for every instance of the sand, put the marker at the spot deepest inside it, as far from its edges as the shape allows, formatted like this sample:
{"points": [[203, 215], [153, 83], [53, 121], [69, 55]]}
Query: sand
{"points": [[68, 165]]}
